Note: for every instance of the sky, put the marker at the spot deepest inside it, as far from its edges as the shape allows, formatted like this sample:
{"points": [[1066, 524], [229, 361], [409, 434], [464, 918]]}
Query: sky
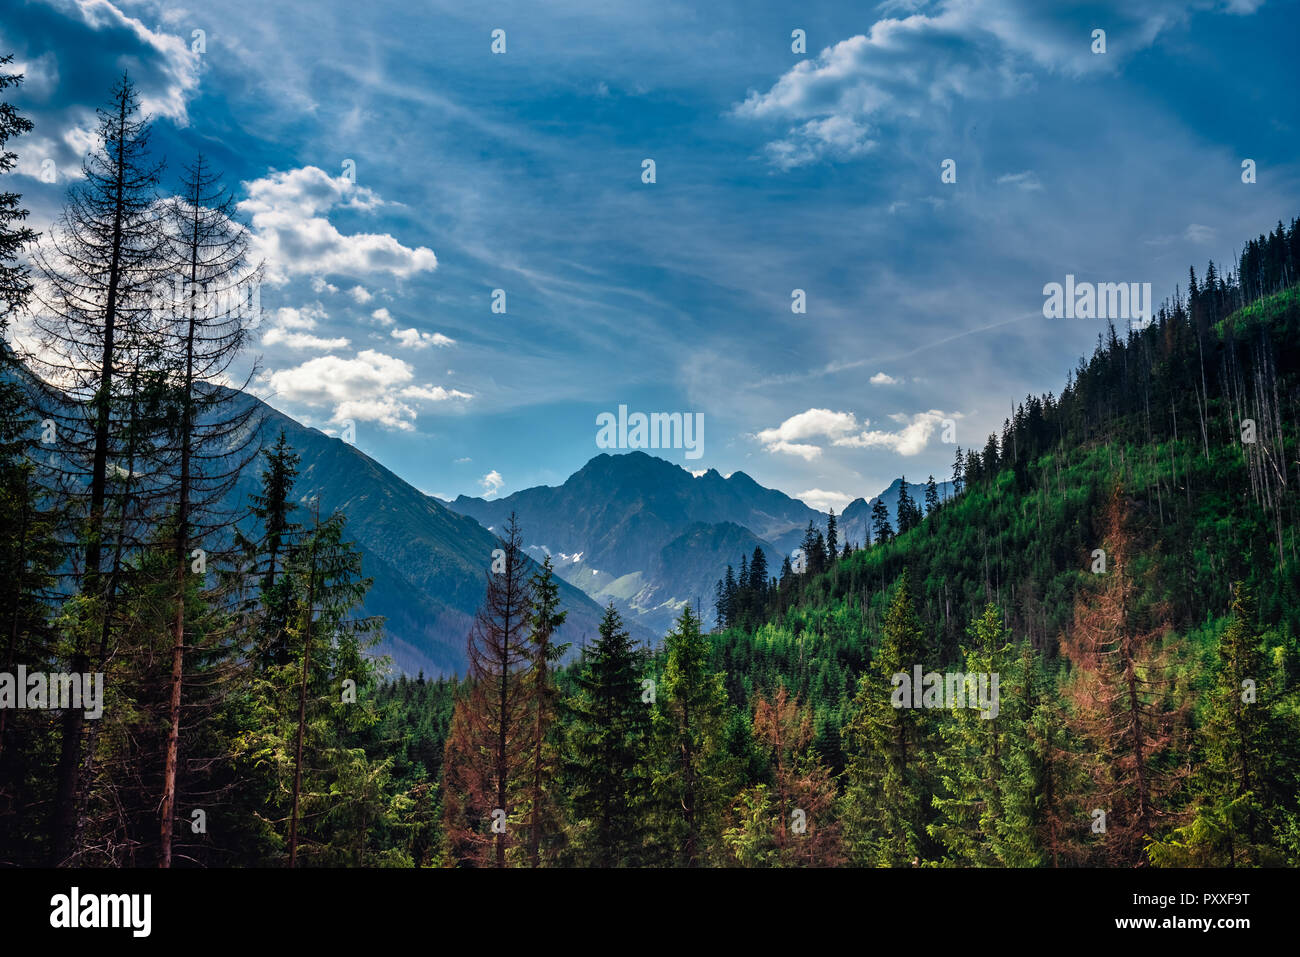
{"points": [[399, 163]]}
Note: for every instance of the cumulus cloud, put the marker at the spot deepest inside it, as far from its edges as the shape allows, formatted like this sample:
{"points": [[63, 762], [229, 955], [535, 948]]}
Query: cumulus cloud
{"points": [[291, 233], [823, 500], [843, 429], [383, 317], [360, 294], [415, 339], [491, 483], [815, 423], [291, 327], [881, 379], [371, 387]]}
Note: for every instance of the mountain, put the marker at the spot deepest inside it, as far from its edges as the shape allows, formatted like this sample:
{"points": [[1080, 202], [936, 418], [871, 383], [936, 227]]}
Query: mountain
{"points": [[428, 561], [650, 536], [647, 533]]}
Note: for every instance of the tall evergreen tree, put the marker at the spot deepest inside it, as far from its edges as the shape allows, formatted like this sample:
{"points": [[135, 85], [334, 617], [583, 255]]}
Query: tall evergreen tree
{"points": [[691, 775], [101, 263], [212, 433], [931, 496], [888, 745], [498, 707], [607, 750], [969, 758], [881, 531], [544, 618], [1246, 779]]}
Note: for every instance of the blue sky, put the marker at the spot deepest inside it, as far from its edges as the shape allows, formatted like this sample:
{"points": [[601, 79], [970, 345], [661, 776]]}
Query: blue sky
{"points": [[775, 170]]}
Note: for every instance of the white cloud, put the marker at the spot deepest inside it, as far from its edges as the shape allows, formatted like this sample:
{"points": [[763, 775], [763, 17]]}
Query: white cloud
{"points": [[301, 340], [843, 429], [319, 285], [491, 483], [906, 67], [1199, 234], [1028, 180], [361, 294], [881, 379], [813, 423], [823, 500], [415, 339], [371, 387], [911, 439], [292, 327], [292, 234], [383, 317]]}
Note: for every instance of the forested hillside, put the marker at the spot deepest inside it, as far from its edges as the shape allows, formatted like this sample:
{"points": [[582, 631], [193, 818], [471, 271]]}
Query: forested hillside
{"points": [[1088, 654]]}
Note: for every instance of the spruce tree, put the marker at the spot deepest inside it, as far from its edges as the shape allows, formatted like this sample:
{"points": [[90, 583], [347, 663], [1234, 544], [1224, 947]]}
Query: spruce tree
{"points": [[606, 750], [212, 430], [692, 773], [969, 758], [544, 618], [881, 531], [100, 266], [888, 748], [931, 496]]}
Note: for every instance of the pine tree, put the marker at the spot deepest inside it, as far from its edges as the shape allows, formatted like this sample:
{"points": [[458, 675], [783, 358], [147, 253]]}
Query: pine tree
{"points": [[1245, 781], [1123, 711], [15, 282], [326, 571], [758, 577], [969, 759], [881, 531], [29, 553], [958, 473], [931, 496], [544, 618], [793, 822], [499, 705], [1021, 799], [608, 733], [832, 537], [211, 432], [100, 265], [267, 559], [903, 508], [691, 775], [730, 599], [888, 748]]}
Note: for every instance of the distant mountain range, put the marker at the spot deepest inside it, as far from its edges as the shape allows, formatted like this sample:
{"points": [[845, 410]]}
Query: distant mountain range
{"points": [[651, 536]]}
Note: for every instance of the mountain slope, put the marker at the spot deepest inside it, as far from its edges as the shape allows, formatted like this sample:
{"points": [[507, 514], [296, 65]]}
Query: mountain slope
{"points": [[429, 563]]}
